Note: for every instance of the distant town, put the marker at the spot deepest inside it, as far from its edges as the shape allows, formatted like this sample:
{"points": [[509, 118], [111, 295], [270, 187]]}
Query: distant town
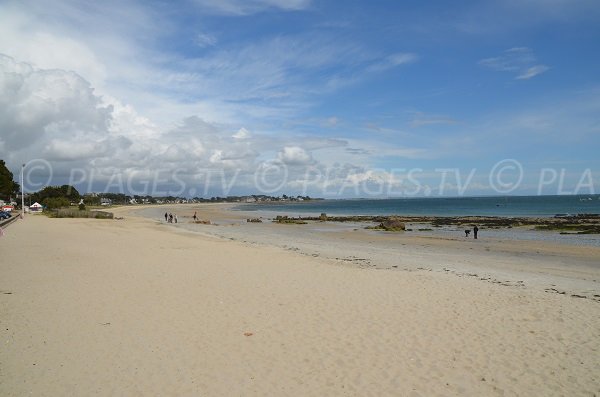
{"points": [[54, 197], [106, 199], [63, 196]]}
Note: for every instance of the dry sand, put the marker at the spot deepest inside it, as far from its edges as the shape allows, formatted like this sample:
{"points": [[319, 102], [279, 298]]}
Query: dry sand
{"points": [[132, 307]]}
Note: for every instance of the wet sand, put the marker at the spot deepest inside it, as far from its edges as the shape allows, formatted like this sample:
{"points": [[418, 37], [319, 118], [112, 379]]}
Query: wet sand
{"points": [[139, 307], [543, 264]]}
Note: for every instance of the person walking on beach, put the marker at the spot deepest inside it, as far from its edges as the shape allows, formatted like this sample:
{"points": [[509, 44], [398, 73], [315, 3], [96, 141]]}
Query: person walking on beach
{"points": [[166, 217], [195, 217], [175, 217], [475, 230], [170, 218]]}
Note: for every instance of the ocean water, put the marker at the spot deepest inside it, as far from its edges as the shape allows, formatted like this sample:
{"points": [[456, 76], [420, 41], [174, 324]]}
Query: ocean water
{"points": [[536, 206]]}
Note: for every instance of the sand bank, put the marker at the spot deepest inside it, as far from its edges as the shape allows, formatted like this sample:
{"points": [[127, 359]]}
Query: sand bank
{"points": [[135, 307]]}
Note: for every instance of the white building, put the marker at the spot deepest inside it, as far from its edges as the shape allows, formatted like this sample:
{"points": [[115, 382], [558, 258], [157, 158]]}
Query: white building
{"points": [[36, 207]]}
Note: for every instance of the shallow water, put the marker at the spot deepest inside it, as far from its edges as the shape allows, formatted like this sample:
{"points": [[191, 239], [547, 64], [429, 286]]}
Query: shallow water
{"points": [[533, 206], [452, 231], [517, 233]]}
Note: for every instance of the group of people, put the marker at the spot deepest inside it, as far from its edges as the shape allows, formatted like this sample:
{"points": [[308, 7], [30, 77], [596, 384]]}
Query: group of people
{"points": [[475, 230], [170, 218]]}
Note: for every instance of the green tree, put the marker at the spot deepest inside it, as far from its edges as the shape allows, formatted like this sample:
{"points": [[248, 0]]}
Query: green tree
{"points": [[91, 200], [55, 202], [67, 192], [8, 187], [70, 193]]}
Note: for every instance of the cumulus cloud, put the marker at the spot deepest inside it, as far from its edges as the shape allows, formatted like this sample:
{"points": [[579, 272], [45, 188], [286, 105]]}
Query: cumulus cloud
{"points": [[56, 115], [242, 134], [38, 104], [295, 155]]}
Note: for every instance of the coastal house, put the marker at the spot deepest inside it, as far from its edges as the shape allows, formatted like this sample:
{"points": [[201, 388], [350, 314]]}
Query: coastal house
{"points": [[36, 207], [7, 208]]}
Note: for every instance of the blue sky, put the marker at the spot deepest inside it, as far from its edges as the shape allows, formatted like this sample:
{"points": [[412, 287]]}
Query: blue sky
{"points": [[327, 98]]}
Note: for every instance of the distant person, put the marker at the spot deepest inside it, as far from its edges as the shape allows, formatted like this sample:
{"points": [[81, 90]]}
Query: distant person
{"points": [[175, 217], [166, 217], [195, 216], [467, 232], [475, 230], [170, 218]]}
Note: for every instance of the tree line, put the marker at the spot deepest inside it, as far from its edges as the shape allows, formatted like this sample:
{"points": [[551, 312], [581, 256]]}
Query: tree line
{"points": [[53, 197], [9, 189]]}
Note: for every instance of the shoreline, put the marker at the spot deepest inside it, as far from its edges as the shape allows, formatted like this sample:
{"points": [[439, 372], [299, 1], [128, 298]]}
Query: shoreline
{"points": [[544, 265]]}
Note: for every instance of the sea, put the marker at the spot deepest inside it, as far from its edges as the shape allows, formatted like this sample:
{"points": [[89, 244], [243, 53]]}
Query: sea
{"points": [[501, 206]]}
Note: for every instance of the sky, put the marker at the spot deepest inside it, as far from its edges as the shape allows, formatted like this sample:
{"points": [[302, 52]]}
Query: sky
{"points": [[326, 98]]}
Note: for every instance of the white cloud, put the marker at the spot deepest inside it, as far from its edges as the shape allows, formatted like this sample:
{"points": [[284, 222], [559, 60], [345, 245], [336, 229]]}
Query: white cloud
{"points": [[56, 115], [513, 59], [295, 155], [392, 61], [205, 40], [402, 58], [518, 60], [242, 134], [22, 39], [116, 49], [532, 72], [36, 103], [245, 7]]}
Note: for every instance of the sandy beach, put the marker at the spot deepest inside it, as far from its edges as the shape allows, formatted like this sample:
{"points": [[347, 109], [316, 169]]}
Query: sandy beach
{"points": [[139, 307], [550, 262]]}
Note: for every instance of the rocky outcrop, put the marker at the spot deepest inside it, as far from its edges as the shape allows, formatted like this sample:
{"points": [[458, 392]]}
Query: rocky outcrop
{"points": [[392, 224], [286, 220]]}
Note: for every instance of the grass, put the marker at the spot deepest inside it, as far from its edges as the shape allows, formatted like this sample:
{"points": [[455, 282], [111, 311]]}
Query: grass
{"points": [[76, 213]]}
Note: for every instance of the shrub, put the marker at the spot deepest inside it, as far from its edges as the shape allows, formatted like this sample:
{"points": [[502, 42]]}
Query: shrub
{"points": [[72, 213], [55, 202]]}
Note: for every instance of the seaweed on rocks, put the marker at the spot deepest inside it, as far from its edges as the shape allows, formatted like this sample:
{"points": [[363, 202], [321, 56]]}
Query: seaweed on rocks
{"points": [[580, 223]]}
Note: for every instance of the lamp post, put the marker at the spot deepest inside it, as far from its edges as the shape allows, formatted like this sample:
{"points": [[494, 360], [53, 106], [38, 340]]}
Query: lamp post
{"points": [[22, 193]]}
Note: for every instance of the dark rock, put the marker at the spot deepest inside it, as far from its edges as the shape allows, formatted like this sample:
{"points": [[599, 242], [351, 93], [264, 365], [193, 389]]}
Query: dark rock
{"points": [[393, 224]]}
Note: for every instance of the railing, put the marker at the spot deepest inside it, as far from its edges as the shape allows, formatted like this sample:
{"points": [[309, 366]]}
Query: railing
{"points": [[6, 222]]}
